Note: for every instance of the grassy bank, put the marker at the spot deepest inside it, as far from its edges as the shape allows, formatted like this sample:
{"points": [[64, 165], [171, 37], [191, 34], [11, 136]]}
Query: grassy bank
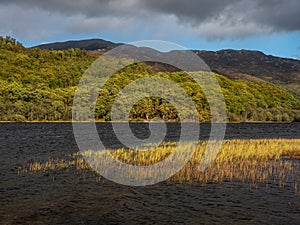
{"points": [[256, 161]]}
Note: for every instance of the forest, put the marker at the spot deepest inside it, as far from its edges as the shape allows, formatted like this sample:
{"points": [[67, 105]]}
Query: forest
{"points": [[39, 85]]}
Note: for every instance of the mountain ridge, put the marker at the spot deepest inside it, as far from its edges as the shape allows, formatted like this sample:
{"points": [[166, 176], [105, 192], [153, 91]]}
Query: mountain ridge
{"points": [[88, 44], [40, 85], [235, 64]]}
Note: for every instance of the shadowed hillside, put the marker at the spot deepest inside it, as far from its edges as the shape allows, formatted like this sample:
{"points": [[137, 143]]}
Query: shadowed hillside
{"points": [[255, 65], [235, 64], [92, 44], [40, 84]]}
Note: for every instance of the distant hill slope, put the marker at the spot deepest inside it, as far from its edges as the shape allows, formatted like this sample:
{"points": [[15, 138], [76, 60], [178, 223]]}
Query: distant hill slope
{"points": [[91, 44], [255, 63], [235, 64], [39, 85], [245, 64]]}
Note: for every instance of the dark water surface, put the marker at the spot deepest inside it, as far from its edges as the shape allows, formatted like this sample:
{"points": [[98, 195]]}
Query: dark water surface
{"points": [[73, 197], [48, 136]]}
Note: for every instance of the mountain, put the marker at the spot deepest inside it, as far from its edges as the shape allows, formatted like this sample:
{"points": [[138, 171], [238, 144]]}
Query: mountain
{"points": [[255, 65], [39, 85], [91, 44], [235, 64]]}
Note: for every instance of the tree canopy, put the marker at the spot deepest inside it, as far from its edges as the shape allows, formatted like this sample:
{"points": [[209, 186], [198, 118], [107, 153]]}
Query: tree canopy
{"points": [[39, 85]]}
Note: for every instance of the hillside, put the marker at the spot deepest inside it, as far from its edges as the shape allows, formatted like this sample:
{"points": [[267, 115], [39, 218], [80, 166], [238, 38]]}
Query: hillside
{"points": [[255, 63], [235, 64], [244, 64], [92, 44], [39, 85]]}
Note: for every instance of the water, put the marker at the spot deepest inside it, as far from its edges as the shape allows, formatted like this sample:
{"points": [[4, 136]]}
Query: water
{"points": [[44, 140], [59, 136], [72, 197]]}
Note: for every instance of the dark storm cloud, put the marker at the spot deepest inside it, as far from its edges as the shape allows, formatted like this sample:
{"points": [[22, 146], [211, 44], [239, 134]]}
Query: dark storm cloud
{"points": [[209, 18], [198, 10], [280, 15], [67, 7]]}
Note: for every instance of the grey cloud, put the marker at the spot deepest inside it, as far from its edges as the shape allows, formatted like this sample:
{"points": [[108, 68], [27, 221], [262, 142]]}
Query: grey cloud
{"points": [[197, 10], [89, 8], [280, 15], [208, 18], [32, 23]]}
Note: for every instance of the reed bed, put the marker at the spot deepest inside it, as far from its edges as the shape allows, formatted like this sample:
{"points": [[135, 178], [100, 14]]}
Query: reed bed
{"points": [[255, 161]]}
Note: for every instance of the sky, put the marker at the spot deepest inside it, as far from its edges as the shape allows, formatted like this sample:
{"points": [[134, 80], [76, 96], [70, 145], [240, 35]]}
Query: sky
{"points": [[270, 26]]}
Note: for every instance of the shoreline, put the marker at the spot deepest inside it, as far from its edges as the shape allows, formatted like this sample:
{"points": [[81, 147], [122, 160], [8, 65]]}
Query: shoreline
{"points": [[137, 121]]}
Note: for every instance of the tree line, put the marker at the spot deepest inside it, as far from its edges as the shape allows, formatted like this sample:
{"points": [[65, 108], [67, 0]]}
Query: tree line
{"points": [[39, 85]]}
